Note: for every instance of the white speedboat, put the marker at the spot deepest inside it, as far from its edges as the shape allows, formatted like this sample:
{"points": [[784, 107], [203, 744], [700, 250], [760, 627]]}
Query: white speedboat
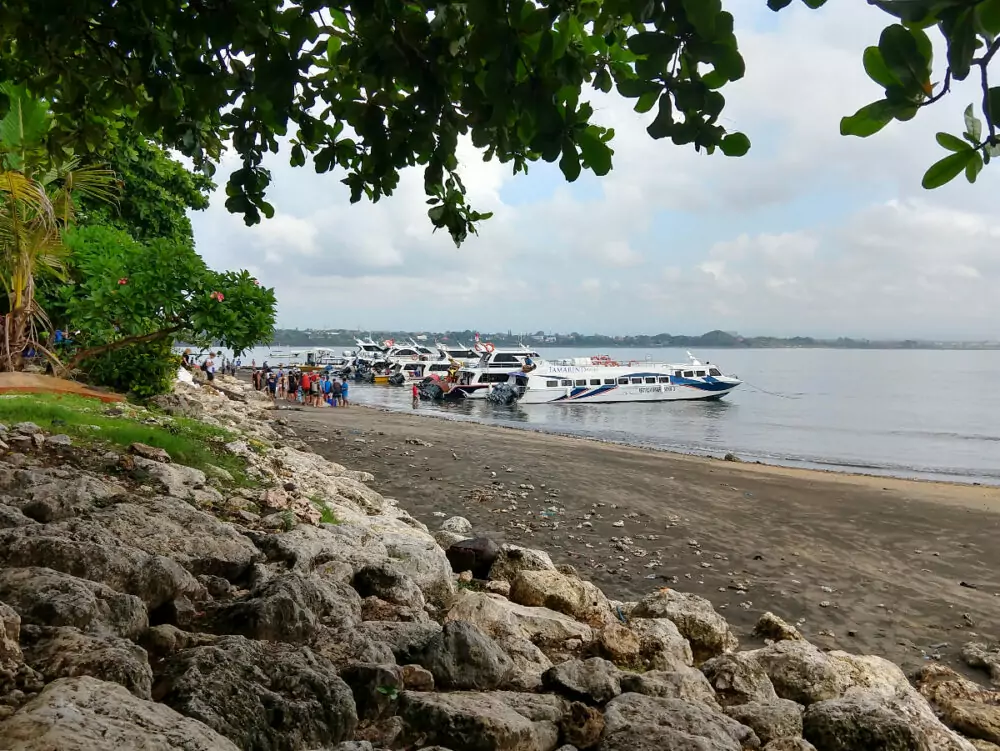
{"points": [[597, 380]]}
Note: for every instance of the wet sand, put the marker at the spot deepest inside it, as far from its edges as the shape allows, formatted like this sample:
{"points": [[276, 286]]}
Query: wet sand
{"points": [[866, 564]]}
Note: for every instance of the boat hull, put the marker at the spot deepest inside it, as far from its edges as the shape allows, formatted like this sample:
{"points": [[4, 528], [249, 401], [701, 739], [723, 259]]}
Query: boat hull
{"points": [[624, 393]]}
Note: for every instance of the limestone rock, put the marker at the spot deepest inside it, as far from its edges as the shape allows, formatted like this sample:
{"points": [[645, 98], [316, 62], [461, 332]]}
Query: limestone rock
{"points": [[634, 722], [475, 554], [405, 639], [375, 609], [12, 516], [45, 597], [770, 626], [305, 547], [595, 680], [564, 594], [695, 618], [153, 453], [290, 607], [263, 696], [85, 714], [739, 678], [512, 559], [187, 483], [684, 683], [457, 524], [462, 657], [374, 688], [10, 649], [661, 645], [387, 583], [985, 657], [497, 616], [175, 529], [49, 495], [963, 705], [420, 558], [417, 678], [446, 539], [789, 744], [471, 721], [86, 550], [582, 726], [770, 720], [66, 652], [859, 722], [800, 672]]}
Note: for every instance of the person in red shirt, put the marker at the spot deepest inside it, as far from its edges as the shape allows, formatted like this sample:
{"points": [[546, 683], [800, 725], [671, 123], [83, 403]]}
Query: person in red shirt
{"points": [[416, 396], [304, 384]]}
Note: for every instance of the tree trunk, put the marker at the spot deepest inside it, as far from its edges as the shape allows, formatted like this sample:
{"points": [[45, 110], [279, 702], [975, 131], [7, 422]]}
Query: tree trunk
{"points": [[119, 343]]}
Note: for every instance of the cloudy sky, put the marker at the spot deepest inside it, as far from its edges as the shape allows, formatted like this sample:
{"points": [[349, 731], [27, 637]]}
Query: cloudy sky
{"points": [[811, 233]]}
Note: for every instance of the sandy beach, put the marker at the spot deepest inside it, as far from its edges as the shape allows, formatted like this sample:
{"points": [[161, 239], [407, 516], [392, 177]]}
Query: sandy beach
{"points": [[899, 568]]}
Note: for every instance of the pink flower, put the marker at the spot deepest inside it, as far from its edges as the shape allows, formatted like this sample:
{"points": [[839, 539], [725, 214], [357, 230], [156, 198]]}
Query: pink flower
{"points": [[123, 280], [218, 296], [256, 282]]}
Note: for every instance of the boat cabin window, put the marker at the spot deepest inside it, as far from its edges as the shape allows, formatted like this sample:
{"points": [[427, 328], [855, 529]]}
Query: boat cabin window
{"points": [[595, 381], [506, 358], [651, 380], [609, 381], [700, 373], [551, 384], [636, 380], [677, 374], [688, 373], [581, 382], [623, 381], [565, 383], [441, 368], [714, 372], [493, 378], [664, 379]]}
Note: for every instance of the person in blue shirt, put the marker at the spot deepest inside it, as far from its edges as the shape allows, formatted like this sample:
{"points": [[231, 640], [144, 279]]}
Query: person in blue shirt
{"points": [[343, 393]]}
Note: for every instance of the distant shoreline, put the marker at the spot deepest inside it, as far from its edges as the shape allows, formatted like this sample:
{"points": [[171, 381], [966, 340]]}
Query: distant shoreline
{"points": [[954, 347]]}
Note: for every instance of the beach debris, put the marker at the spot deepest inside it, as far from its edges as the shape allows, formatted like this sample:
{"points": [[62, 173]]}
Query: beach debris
{"points": [[618, 524]]}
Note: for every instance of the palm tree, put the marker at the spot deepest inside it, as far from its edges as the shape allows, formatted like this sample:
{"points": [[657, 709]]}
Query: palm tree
{"points": [[36, 205]]}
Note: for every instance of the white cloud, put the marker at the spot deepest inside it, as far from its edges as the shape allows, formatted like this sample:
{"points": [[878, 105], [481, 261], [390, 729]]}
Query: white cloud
{"points": [[812, 233]]}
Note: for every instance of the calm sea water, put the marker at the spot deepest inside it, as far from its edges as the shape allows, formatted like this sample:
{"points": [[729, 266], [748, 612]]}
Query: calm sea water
{"points": [[930, 414]]}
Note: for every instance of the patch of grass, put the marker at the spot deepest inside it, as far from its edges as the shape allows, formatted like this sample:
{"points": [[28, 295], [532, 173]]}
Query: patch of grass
{"points": [[326, 513], [189, 442]]}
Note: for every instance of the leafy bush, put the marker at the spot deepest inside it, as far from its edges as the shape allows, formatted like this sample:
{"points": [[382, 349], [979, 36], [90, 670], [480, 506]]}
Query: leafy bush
{"points": [[144, 370]]}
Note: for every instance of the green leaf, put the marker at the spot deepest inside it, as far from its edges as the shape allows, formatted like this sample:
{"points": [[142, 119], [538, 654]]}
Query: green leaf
{"points": [[952, 143], [663, 123], [333, 45], [988, 16], [973, 125], [946, 169], [570, 162], [974, 167], [652, 42], [962, 45], [993, 100], [904, 57], [778, 4], [735, 144], [646, 101], [876, 68], [596, 154], [868, 120], [701, 14]]}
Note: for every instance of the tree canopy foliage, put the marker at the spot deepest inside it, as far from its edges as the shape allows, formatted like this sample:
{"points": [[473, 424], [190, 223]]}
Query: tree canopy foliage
{"points": [[369, 87], [123, 292]]}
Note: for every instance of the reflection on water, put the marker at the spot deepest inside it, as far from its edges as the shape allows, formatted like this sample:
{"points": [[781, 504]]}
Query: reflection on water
{"points": [[913, 413]]}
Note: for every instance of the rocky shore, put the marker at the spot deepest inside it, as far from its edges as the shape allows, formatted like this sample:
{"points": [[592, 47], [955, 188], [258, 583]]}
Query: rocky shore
{"points": [[145, 604]]}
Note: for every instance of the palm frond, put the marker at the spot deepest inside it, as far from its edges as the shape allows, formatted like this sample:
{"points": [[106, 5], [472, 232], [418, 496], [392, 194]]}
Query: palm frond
{"points": [[21, 195], [25, 123]]}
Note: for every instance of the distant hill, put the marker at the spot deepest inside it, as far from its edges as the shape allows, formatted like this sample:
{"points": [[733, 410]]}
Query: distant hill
{"points": [[712, 339]]}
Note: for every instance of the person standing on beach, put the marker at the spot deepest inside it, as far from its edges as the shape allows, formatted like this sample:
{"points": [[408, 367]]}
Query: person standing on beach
{"points": [[336, 393], [416, 396], [210, 367], [343, 393]]}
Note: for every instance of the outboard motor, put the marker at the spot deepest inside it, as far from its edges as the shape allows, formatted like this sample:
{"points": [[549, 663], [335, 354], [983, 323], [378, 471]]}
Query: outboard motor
{"points": [[397, 379], [430, 390], [502, 393]]}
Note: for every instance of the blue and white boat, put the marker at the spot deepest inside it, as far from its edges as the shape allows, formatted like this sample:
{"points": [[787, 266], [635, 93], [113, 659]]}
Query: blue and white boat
{"points": [[592, 380]]}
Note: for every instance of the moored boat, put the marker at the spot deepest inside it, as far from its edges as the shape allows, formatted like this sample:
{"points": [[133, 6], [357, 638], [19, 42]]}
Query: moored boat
{"points": [[596, 380]]}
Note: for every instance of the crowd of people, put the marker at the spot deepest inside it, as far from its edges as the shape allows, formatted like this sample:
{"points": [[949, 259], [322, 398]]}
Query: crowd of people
{"points": [[302, 387], [209, 366]]}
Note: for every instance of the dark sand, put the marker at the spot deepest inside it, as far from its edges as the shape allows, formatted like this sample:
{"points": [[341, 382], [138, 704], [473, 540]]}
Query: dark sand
{"points": [[871, 565]]}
